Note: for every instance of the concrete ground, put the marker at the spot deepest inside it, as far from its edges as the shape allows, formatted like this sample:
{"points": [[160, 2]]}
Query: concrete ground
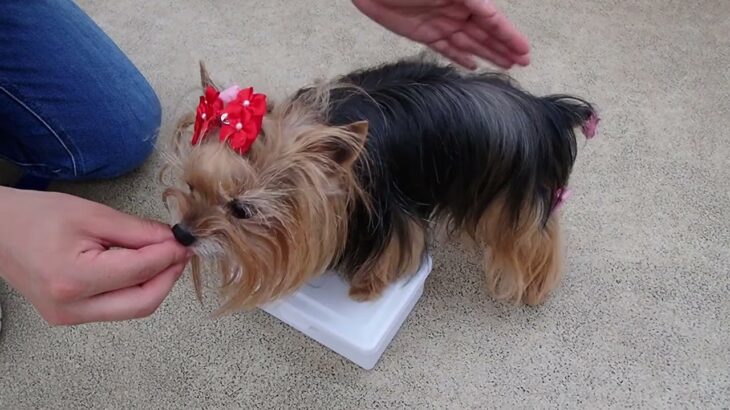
{"points": [[641, 319]]}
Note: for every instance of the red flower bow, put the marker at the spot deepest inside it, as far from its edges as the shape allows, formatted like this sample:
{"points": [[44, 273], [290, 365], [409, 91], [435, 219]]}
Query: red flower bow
{"points": [[239, 120], [239, 128], [254, 103], [207, 113]]}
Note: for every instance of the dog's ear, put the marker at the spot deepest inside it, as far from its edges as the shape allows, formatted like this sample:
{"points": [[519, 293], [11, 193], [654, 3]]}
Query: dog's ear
{"points": [[345, 145], [205, 80], [359, 129], [349, 152]]}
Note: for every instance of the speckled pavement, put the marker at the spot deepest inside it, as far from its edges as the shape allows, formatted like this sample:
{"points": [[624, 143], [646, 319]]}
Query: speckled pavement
{"points": [[641, 318]]}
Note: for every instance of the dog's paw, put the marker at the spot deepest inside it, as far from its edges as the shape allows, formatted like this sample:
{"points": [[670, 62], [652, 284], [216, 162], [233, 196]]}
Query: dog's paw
{"points": [[364, 293]]}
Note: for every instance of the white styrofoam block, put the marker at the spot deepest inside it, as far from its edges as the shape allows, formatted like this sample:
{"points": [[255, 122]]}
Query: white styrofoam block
{"points": [[359, 331]]}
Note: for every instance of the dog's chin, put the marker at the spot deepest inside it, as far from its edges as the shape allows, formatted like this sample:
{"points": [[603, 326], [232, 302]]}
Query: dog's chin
{"points": [[207, 248], [241, 275]]}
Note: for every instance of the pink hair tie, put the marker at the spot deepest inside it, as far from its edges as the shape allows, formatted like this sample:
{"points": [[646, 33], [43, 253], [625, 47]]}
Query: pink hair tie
{"points": [[590, 127], [561, 195], [229, 94]]}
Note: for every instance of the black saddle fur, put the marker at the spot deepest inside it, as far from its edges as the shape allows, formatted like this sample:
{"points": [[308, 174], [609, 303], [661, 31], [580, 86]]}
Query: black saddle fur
{"points": [[445, 143]]}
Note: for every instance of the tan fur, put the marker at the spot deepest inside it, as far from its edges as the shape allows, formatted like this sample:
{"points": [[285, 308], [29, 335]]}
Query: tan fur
{"points": [[298, 177], [524, 261], [401, 257]]}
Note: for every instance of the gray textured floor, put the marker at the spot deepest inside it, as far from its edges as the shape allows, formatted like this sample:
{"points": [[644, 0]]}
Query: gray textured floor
{"points": [[640, 320]]}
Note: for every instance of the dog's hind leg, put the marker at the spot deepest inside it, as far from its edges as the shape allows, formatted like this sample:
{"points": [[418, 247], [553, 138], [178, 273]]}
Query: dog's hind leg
{"points": [[523, 261]]}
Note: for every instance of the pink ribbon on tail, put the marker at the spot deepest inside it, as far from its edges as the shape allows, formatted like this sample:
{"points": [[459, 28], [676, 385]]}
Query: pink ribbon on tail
{"points": [[590, 127]]}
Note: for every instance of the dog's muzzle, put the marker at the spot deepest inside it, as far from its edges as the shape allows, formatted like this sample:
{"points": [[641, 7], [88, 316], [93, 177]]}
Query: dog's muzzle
{"points": [[183, 235]]}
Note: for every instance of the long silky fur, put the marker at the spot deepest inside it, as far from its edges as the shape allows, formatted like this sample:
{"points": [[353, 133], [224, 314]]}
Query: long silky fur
{"points": [[446, 146], [298, 178], [473, 152]]}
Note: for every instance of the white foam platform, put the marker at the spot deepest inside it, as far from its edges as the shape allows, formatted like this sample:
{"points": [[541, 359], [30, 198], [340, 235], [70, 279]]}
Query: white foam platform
{"points": [[359, 331]]}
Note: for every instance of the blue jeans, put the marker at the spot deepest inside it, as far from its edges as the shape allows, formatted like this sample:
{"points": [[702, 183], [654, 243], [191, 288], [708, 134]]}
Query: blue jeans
{"points": [[72, 105]]}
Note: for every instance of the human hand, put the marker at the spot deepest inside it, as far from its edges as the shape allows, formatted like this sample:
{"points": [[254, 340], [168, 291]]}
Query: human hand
{"points": [[458, 29], [78, 261]]}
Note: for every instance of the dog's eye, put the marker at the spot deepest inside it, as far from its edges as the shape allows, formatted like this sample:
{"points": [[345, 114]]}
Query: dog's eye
{"points": [[240, 210], [190, 188]]}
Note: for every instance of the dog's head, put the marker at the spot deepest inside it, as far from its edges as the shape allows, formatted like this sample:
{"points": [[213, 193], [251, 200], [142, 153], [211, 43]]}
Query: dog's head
{"points": [[275, 216]]}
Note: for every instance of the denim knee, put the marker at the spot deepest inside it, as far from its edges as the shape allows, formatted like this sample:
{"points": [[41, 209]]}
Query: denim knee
{"points": [[137, 146], [72, 104], [109, 136], [125, 145]]}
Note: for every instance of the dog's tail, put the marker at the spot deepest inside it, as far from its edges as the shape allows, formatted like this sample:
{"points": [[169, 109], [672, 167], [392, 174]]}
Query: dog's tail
{"points": [[576, 112], [524, 261]]}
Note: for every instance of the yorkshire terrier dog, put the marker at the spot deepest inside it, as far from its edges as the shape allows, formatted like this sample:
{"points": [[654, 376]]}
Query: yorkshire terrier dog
{"points": [[351, 176]]}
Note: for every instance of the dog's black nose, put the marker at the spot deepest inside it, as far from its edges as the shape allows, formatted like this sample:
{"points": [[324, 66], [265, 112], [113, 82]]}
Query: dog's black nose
{"points": [[183, 235]]}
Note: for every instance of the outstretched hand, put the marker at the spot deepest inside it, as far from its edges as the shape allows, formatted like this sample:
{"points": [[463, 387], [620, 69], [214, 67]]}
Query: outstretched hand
{"points": [[78, 261], [461, 30]]}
